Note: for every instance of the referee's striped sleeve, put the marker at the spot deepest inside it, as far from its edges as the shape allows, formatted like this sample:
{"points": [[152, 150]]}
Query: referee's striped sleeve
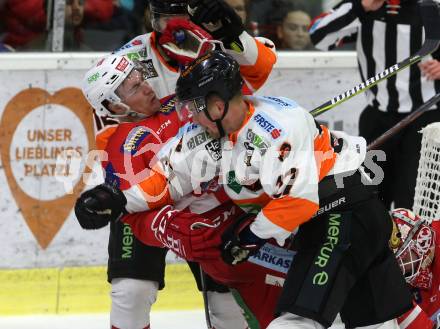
{"points": [[341, 23]]}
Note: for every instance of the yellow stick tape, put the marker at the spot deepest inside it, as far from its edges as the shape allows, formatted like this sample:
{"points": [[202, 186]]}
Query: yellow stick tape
{"points": [[85, 290]]}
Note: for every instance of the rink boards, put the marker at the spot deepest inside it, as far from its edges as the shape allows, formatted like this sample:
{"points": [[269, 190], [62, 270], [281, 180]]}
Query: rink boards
{"points": [[74, 290]]}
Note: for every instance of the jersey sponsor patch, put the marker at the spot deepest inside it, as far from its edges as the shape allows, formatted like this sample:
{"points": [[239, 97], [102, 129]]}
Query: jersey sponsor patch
{"points": [[167, 104], [257, 141], [134, 56], [268, 125], [137, 55], [284, 102], [93, 77], [198, 139], [134, 138], [150, 70], [273, 257], [123, 63], [214, 149]]}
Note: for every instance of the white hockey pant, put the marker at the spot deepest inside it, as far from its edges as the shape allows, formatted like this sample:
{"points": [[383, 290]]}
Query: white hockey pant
{"points": [[225, 312], [131, 303]]}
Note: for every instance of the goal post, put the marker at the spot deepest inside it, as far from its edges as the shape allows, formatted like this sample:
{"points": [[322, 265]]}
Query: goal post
{"points": [[427, 191]]}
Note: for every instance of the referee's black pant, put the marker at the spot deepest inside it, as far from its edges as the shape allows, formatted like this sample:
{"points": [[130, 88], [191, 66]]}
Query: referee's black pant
{"points": [[402, 152]]}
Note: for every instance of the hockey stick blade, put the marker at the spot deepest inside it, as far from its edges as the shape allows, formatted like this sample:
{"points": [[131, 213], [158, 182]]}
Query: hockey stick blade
{"points": [[404, 122], [431, 16]]}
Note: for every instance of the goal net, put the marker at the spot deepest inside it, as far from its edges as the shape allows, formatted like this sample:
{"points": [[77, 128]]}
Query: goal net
{"points": [[427, 193]]}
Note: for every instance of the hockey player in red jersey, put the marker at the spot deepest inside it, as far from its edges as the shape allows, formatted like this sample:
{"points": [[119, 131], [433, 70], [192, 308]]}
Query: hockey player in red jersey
{"points": [[257, 283], [415, 244], [135, 164], [141, 277]]}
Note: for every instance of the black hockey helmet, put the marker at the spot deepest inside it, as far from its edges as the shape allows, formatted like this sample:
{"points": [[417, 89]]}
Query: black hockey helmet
{"points": [[213, 73], [169, 7]]}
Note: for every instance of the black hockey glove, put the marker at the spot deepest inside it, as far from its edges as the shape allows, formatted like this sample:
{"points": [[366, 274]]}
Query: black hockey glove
{"points": [[95, 208], [218, 18], [238, 241]]}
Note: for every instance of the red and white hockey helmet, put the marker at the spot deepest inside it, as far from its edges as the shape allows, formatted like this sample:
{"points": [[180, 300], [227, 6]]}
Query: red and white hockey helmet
{"points": [[101, 82], [413, 242]]}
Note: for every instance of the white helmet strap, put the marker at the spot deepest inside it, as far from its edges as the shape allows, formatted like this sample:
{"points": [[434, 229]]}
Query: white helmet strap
{"points": [[128, 112]]}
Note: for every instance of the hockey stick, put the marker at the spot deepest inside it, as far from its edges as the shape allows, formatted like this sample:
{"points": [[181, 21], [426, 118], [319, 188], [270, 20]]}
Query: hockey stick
{"points": [[404, 122], [205, 298], [430, 13]]}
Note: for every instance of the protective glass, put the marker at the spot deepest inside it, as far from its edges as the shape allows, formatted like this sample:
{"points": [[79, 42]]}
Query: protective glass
{"points": [[187, 109]]}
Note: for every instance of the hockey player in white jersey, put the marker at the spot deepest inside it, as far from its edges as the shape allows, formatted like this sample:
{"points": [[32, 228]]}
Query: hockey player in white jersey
{"points": [[136, 280], [287, 169]]}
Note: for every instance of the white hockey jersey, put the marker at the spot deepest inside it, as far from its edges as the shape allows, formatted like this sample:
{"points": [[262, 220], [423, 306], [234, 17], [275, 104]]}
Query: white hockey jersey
{"points": [[277, 159], [272, 166]]}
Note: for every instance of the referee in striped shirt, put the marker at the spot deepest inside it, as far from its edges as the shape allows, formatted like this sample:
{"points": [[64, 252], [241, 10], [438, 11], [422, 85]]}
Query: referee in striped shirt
{"points": [[386, 32]]}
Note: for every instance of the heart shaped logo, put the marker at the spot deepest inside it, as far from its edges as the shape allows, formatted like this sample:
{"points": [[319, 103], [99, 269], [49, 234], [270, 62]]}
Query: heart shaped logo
{"points": [[45, 139]]}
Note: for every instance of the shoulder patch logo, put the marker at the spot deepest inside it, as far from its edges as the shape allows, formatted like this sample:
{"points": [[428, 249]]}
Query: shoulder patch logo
{"points": [[167, 104], [134, 138]]}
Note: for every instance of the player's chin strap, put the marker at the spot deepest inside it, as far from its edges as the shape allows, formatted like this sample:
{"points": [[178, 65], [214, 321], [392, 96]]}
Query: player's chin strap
{"points": [[218, 122], [128, 113]]}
